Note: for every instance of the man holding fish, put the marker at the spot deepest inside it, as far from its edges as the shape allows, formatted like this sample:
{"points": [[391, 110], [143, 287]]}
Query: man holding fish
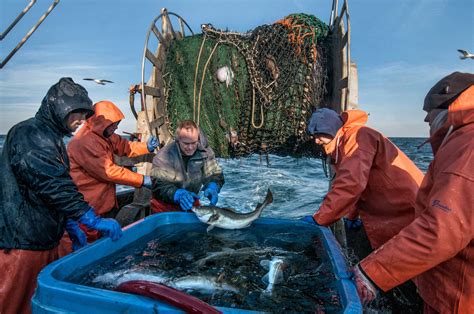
{"points": [[182, 168]]}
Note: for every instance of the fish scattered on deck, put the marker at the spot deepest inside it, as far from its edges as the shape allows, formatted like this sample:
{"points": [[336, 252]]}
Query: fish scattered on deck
{"points": [[229, 218]]}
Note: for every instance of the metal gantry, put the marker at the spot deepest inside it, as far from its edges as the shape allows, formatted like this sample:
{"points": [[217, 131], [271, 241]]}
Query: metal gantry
{"points": [[28, 35], [345, 82]]}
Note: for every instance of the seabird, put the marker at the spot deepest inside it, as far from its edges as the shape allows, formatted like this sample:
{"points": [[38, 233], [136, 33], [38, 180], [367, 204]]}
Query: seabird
{"points": [[465, 54], [101, 82]]}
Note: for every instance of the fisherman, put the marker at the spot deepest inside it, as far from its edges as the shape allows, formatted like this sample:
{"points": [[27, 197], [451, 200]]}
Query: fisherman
{"points": [[38, 197], [373, 178], [91, 152], [437, 248], [182, 168]]}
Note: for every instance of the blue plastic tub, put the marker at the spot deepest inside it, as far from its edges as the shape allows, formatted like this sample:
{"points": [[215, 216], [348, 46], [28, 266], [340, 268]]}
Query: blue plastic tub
{"points": [[55, 295]]}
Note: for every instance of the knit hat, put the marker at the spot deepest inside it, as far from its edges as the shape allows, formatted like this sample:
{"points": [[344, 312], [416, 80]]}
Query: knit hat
{"points": [[325, 121], [443, 93]]}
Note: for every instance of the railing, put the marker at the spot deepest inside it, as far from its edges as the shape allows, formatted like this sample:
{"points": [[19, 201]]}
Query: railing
{"points": [[32, 30]]}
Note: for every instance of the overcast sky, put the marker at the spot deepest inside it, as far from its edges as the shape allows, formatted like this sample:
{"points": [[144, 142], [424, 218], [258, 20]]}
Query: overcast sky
{"points": [[401, 49]]}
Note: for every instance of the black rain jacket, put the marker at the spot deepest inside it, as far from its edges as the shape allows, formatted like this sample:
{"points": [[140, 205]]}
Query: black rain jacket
{"points": [[37, 192]]}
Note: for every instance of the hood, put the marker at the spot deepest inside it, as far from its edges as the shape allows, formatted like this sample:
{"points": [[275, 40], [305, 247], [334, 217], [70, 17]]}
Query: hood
{"points": [[350, 119], [60, 100], [105, 113], [354, 117], [460, 113]]}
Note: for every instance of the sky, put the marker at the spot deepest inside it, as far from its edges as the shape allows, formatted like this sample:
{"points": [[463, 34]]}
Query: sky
{"points": [[401, 48]]}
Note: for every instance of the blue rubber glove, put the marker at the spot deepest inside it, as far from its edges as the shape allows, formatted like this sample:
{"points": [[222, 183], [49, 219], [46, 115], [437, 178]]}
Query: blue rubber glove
{"points": [[309, 219], [147, 182], [77, 236], [108, 227], [212, 192], [185, 199], [352, 224], [152, 144]]}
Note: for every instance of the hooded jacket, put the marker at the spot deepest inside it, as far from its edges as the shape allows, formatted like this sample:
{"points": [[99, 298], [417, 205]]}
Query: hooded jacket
{"points": [[37, 192], [92, 159], [438, 246], [170, 172], [373, 177]]}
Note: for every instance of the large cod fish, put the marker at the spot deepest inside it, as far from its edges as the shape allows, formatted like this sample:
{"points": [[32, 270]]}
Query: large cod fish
{"points": [[228, 218]]}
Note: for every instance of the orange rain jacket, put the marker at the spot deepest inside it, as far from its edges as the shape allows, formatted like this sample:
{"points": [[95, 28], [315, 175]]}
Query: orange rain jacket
{"points": [[438, 246], [92, 159], [373, 178]]}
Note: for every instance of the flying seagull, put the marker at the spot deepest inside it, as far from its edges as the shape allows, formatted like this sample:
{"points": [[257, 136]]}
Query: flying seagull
{"points": [[101, 82], [465, 54]]}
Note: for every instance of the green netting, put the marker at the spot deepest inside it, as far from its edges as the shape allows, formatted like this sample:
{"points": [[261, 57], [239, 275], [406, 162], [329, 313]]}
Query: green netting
{"points": [[220, 106], [307, 24], [278, 70]]}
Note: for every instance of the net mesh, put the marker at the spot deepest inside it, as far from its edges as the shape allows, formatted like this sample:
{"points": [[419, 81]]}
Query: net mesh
{"points": [[250, 92]]}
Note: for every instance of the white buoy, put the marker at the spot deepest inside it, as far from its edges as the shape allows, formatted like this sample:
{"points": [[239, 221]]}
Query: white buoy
{"points": [[225, 74]]}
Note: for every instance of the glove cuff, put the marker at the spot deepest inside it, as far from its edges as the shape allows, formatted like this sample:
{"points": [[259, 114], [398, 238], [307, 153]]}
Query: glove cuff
{"points": [[71, 224], [309, 219], [213, 186], [177, 195], [147, 182], [89, 219]]}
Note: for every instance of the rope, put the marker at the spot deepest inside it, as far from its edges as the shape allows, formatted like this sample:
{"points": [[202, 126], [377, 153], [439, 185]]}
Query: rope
{"points": [[253, 112], [304, 29], [195, 77], [202, 81]]}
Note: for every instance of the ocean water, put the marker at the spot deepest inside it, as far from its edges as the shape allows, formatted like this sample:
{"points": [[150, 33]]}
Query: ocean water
{"points": [[298, 184]]}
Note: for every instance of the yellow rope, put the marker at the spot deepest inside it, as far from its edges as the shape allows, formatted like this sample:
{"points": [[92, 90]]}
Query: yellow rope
{"points": [[195, 77], [202, 81], [253, 111]]}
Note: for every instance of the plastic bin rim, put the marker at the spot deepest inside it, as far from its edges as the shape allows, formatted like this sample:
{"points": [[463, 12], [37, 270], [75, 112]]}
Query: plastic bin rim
{"points": [[351, 302]]}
